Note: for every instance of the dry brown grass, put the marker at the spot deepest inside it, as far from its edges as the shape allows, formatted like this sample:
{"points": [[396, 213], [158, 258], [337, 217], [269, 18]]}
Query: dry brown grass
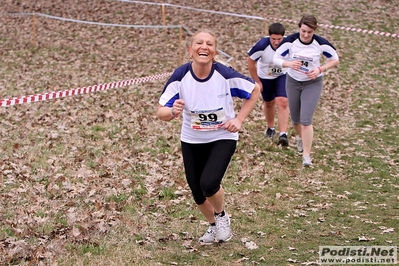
{"points": [[96, 179]]}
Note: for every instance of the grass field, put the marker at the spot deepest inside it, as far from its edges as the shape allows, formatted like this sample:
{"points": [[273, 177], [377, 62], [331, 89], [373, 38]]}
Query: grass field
{"points": [[97, 179]]}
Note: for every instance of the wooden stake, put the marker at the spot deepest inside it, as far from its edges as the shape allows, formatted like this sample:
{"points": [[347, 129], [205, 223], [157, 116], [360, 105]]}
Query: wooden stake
{"points": [[163, 15], [180, 44], [266, 27]]}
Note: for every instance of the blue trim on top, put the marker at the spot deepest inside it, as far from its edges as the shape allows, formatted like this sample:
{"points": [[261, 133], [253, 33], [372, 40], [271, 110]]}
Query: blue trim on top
{"points": [[229, 72], [290, 38], [236, 92], [322, 41], [178, 75], [261, 45], [172, 100]]}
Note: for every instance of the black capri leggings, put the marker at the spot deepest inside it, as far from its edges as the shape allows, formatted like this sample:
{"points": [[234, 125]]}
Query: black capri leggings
{"points": [[205, 165]]}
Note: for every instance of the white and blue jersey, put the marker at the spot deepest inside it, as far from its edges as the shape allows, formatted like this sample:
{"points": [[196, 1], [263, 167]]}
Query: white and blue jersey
{"points": [[262, 52], [291, 48], [208, 102]]}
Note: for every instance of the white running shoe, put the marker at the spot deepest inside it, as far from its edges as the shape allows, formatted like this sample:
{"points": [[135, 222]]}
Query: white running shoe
{"points": [[307, 162], [299, 144], [209, 237], [223, 231]]}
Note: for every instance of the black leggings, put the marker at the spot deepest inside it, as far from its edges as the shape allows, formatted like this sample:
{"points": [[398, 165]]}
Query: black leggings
{"points": [[205, 165]]}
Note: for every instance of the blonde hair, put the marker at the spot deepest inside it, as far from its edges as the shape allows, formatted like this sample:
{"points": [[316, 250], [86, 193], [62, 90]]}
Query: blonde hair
{"points": [[204, 31], [217, 57]]}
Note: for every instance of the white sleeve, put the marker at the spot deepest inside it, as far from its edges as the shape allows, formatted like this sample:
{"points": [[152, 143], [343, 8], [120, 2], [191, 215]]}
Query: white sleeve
{"points": [[278, 58], [329, 52]]}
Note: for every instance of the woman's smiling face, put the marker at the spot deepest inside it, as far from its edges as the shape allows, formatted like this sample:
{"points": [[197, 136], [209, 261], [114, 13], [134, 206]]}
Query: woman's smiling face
{"points": [[203, 47]]}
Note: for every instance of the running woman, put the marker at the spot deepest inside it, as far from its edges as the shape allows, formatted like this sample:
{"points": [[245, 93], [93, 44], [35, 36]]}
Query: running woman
{"points": [[271, 79], [301, 53], [202, 91]]}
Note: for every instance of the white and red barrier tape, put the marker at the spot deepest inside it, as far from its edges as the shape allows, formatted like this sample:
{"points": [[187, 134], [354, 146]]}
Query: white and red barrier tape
{"points": [[380, 33], [375, 32], [77, 91]]}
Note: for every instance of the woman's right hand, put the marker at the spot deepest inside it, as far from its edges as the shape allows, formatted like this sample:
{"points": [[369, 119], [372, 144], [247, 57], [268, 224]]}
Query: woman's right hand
{"points": [[296, 64], [178, 107]]}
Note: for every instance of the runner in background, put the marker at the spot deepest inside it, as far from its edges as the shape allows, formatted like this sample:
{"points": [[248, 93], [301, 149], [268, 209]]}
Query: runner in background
{"points": [[271, 79], [302, 52], [202, 91]]}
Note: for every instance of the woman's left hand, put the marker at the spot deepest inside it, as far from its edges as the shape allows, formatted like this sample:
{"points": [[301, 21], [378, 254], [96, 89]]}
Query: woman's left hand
{"points": [[233, 125], [314, 73]]}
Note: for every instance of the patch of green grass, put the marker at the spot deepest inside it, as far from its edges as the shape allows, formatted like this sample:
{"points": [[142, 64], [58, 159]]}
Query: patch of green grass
{"points": [[139, 191], [6, 232], [118, 198], [45, 229], [62, 221], [167, 193], [98, 128], [88, 248]]}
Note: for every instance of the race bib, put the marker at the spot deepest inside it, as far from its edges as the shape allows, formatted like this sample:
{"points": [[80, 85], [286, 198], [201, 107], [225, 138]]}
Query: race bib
{"points": [[206, 120], [275, 71], [307, 62]]}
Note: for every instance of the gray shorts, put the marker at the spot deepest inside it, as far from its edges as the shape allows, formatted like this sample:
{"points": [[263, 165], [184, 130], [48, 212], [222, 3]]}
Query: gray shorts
{"points": [[303, 97]]}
